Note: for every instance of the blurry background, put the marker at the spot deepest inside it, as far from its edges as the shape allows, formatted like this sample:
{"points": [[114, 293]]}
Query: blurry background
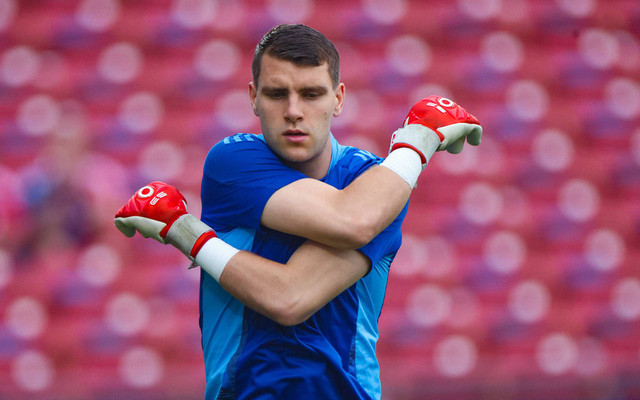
{"points": [[519, 276]]}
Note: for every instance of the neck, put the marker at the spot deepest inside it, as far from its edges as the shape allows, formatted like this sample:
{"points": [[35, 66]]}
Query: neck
{"points": [[316, 167]]}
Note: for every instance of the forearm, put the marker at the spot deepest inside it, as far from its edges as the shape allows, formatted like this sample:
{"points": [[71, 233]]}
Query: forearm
{"points": [[347, 218], [291, 293], [373, 201], [262, 285]]}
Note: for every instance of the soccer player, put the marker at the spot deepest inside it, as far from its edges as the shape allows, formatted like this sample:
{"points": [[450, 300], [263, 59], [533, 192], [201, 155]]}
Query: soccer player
{"points": [[298, 232]]}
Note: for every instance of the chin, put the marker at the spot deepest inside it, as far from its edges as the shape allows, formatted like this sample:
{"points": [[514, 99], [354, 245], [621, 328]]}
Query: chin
{"points": [[296, 157]]}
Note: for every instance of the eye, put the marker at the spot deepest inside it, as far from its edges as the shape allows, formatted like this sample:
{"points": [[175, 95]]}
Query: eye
{"points": [[314, 92], [310, 95]]}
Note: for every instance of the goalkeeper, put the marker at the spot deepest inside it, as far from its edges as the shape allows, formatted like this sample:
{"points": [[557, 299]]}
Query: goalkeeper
{"points": [[297, 232]]}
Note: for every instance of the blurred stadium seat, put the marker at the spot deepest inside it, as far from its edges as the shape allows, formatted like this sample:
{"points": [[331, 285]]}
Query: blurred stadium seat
{"points": [[519, 277]]}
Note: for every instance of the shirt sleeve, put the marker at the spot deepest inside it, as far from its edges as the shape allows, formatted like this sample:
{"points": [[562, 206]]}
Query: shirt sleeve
{"points": [[387, 242], [240, 175], [354, 162]]}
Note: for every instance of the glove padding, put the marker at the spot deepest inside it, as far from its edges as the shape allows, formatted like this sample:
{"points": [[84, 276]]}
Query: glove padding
{"points": [[450, 122], [159, 211]]}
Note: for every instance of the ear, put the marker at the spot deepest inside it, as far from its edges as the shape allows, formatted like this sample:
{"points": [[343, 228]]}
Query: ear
{"points": [[253, 93], [340, 92]]}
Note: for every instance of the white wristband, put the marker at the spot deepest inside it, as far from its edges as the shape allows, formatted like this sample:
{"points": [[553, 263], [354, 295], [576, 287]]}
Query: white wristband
{"points": [[214, 256], [406, 163]]}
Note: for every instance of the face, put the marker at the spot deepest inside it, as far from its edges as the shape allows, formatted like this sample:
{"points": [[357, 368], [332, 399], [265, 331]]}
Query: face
{"points": [[295, 105]]}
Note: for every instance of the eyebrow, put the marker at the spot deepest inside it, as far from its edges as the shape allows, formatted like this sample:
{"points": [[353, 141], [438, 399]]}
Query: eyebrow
{"points": [[275, 89]]}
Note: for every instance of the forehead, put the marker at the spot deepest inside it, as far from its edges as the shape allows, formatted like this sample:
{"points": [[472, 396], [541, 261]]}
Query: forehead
{"points": [[281, 73]]}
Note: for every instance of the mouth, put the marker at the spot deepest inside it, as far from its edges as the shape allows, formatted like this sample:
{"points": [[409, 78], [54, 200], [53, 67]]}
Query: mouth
{"points": [[295, 135], [294, 132]]}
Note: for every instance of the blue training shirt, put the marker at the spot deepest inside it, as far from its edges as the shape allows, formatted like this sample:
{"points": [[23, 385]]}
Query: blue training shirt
{"points": [[248, 356]]}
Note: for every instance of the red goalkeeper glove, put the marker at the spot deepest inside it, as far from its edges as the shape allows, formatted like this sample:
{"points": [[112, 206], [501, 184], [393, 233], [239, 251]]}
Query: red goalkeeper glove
{"points": [[451, 124], [159, 211]]}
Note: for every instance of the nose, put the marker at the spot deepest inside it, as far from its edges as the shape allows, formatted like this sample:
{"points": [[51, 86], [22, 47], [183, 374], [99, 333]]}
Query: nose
{"points": [[293, 113]]}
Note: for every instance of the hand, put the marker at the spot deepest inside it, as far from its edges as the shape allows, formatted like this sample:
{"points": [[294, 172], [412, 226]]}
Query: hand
{"points": [[151, 211], [448, 120], [159, 211], [434, 124]]}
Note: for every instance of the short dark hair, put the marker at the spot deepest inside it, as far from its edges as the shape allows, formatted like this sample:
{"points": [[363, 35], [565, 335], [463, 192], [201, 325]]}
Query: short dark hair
{"points": [[300, 45]]}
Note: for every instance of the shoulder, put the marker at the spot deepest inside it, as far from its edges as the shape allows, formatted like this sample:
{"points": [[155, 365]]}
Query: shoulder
{"points": [[238, 143], [246, 138], [246, 158], [237, 149], [353, 155], [357, 155], [352, 160]]}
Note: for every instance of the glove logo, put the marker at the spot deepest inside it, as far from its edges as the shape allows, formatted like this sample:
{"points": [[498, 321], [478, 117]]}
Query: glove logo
{"points": [[145, 192], [157, 198], [444, 102]]}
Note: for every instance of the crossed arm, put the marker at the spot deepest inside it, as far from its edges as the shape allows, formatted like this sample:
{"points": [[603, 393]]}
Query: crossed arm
{"points": [[337, 222], [291, 293], [320, 269]]}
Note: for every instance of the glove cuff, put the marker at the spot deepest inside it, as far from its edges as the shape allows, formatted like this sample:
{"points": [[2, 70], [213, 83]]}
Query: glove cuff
{"points": [[419, 138], [188, 234]]}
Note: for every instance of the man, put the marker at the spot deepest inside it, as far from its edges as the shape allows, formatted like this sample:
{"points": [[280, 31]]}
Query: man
{"points": [[295, 314]]}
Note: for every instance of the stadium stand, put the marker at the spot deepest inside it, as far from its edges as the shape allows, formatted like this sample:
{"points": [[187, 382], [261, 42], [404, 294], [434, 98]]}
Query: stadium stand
{"points": [[519, 276]]}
